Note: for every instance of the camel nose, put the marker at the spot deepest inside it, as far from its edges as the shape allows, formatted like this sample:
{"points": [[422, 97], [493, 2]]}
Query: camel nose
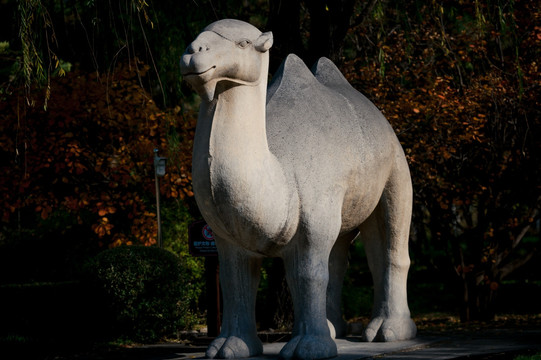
{"points": [[197, 46]]}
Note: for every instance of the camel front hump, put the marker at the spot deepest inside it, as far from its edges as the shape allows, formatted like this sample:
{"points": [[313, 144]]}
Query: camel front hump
{"points": [[297, 171]]}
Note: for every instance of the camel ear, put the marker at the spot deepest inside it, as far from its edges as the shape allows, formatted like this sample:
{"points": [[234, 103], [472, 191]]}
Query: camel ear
{"points": [[263, 42]]}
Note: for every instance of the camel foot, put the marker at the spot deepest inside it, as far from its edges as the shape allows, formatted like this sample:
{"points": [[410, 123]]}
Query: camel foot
{"points": [[234, 347], [390, 329], [309, 347]]}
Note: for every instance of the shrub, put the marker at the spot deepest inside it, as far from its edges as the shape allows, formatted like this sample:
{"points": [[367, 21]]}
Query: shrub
{"points": [[175, 221], [140, 292]]}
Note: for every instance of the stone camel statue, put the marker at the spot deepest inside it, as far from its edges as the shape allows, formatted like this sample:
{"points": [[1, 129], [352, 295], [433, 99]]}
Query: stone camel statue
{"points": [[296, 170]]}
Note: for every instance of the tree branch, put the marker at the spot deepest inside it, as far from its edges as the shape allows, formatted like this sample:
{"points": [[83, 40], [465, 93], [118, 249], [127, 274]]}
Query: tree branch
{"points": [[515, 264], [531, 219], [366, 12]]}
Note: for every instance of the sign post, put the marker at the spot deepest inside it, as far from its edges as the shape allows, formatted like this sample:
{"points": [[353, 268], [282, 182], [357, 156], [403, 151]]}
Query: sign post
{"points": [[159, 171]]}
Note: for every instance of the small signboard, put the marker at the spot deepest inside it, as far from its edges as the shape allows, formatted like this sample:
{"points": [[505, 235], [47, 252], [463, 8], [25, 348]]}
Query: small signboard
{"points": [[201, 239]]}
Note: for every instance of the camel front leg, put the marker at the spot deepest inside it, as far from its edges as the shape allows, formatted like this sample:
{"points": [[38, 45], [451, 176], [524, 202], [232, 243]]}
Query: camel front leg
{"points": [[239, 279], [307, 273]]}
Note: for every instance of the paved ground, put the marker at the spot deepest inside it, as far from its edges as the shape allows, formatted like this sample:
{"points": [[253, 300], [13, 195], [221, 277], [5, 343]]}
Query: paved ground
{"points": [[490, 344]]}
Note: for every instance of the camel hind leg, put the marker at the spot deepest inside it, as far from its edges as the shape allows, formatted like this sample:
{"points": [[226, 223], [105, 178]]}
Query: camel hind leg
{"points": [[338, 263], [385, 235]]}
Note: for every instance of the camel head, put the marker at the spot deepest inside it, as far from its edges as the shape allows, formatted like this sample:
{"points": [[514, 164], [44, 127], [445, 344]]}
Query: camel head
{"points": [[226, 50]]}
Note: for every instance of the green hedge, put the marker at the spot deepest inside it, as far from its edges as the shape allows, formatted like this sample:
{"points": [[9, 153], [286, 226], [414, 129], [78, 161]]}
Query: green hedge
{"points": [[139, 293]]}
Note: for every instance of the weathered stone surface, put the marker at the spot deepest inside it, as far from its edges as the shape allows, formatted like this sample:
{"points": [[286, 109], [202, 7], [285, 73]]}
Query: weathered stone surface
{"points": [[296, 171]]}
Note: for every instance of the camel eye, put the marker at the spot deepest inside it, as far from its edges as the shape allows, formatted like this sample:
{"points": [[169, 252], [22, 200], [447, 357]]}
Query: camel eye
{"points": [[243, 43]]}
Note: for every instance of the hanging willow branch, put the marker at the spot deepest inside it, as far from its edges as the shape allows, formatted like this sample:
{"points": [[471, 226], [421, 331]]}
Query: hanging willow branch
{"points": [[38, 41], [33, 18]]}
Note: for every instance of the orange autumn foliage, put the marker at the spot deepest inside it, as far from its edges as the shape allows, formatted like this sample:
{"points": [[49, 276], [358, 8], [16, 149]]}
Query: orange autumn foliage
{"points": [[90, 155], [460, 83]]}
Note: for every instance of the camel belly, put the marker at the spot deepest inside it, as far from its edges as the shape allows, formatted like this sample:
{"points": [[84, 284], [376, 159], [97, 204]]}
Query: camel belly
{"points": [[358, 205]]}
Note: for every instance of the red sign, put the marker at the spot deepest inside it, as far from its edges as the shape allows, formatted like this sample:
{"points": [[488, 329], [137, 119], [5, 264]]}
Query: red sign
{"points": [[201, 239]]}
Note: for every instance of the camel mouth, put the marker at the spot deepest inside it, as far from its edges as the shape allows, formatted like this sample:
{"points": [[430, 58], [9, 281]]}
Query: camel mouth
{"points": [[199, 73]]}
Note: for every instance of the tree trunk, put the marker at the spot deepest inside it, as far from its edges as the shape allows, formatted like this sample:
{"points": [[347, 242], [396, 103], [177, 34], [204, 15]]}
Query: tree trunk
{"points": [[284, 22], [479, 301], [329, 23]]}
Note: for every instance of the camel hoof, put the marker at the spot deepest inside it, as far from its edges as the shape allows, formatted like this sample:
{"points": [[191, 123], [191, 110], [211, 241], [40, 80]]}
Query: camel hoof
{"points": [[214, 347], [234, 347], [309, 347], [390, 329]]}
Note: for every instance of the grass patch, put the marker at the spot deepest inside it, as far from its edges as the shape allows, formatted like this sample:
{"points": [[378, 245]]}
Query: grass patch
{"points": [[529, 357]]}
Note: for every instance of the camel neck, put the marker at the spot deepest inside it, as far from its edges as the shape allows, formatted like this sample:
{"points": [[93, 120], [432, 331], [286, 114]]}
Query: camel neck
{"points": [[239, 123]]}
